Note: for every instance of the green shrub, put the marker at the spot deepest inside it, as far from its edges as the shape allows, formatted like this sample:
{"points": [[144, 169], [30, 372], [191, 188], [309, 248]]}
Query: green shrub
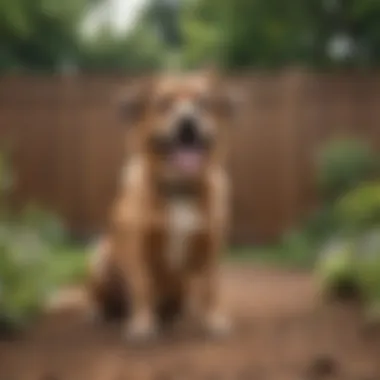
{"points": [[23, 273], [34, 260], [359, 209], [353, 261], [321, 226], [368, 267], [31, 269], [343, 165], [347, 174], [50, 228], [298, 248], [335, 266]]}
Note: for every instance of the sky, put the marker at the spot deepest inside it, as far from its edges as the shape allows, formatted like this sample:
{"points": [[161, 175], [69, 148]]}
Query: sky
{"points": [[122, 14], [125, 11]]}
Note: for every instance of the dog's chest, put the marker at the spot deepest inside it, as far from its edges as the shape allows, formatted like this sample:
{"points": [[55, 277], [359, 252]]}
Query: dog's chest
{"points": [[185, 219]]}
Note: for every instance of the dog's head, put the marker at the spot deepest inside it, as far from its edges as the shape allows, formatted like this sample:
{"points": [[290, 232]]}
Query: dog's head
{"points": [[181, 121]]}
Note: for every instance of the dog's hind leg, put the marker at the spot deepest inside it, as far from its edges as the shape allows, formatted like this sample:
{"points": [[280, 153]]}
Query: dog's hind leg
{"points": [[108, 299], [169, 310], [106, 291]]}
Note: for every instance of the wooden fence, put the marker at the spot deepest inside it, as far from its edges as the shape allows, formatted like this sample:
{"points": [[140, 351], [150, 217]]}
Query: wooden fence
{"points": [[68, 147]]}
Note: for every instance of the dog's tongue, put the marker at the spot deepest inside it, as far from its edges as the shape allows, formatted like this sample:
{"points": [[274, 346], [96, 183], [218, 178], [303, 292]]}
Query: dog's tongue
{"points": [[188, 160]]}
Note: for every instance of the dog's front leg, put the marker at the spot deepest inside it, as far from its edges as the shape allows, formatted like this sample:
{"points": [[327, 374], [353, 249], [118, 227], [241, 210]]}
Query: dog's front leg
{"points": [[213, 317], [141, 324]]}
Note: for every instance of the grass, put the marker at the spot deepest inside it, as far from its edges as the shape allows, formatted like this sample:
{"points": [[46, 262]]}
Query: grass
{"points": [[70, 264], [273, 255]]}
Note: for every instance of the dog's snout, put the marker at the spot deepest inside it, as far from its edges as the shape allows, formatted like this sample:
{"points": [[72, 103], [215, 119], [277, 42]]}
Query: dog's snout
{"points": [[188, 131]]}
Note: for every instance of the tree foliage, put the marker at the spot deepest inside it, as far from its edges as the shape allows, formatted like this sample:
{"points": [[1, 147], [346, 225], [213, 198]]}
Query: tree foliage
{"points": [[38, 34], [141, 50], [44, 35], [274, 33], [41, 34]]}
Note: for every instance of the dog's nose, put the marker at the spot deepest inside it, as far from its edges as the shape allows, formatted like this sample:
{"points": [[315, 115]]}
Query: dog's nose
{"points": [[188, 131]]}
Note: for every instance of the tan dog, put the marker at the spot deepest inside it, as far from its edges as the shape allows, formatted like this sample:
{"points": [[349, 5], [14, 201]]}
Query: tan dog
{"points": [[169, 222]]}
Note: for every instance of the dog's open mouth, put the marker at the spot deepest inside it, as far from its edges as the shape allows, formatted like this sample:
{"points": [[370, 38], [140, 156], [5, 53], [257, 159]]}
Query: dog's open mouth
{"points": [[187, 160]]}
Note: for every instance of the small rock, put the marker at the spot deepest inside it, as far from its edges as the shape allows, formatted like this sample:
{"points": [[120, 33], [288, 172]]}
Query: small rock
{"points": [[322, 367]]}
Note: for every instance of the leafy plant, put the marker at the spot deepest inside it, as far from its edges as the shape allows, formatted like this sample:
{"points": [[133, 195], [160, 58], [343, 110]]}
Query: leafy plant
{"points": [[33, 261], [335, 267], [343, 165], [23, 273], [352, 263], [49, 226], [359, 209], [298, 247]]}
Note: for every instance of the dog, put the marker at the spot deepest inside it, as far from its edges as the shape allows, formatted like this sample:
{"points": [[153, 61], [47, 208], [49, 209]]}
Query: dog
{"points": [[169, 222]]}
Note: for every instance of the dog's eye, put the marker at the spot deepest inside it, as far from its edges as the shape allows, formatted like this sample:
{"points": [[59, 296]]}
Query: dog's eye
{"points": [[204, 103], [164, 104]]}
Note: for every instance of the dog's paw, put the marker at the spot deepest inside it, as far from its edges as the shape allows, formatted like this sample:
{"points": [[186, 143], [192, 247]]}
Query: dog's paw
{"points": [[141, 328], [217, 325]]}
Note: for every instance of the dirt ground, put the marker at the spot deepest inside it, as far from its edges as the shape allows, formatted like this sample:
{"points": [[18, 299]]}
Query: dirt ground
{"points": [[283, 332]]}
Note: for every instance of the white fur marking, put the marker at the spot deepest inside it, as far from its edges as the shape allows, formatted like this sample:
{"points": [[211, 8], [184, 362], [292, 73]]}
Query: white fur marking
{"points": [[132, 172], [184, 220]]}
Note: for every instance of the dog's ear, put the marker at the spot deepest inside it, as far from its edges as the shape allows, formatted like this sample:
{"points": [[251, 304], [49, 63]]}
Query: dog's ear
{"points": [[229, 98], [230, 102], [133, 100]]}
